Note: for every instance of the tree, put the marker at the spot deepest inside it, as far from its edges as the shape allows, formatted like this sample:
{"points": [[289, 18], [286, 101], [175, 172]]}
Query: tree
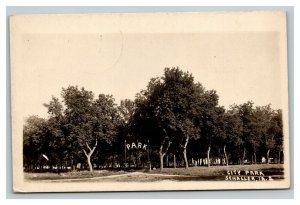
{"points": [[211, 127], [89, 120], [264, 130], [183, 98], [107, 121], [272, 129], [34, 132], [233, 131], [177, 115], [259, 127], [245, 112], [56, 133], [277, 130], [126, 112], [176, 106], [126, 109], [152, 118]]}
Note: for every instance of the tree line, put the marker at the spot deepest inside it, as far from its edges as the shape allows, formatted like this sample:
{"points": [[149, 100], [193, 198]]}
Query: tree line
{"points": [[181, 122]]}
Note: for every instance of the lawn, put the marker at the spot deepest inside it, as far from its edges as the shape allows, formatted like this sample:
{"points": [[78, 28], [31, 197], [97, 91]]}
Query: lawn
{"points": [[221, 170], [71, 175], [214, 173]]}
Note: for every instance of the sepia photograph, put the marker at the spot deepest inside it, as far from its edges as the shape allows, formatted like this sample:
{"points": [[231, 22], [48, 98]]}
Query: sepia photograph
{"points": [[149, 101]]}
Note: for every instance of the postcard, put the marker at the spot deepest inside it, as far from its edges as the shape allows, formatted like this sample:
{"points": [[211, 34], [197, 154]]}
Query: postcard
{"points": [[149, 101]]}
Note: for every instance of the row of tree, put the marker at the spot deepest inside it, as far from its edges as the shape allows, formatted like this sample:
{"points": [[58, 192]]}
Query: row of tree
{"points": [[177, 117]]}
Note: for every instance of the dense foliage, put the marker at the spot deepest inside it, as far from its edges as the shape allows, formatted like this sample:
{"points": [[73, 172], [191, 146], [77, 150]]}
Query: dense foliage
{"points": [[178, 121]]}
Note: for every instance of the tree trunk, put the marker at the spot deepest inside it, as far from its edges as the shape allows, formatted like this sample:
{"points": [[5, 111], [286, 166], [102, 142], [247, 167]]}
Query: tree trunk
{"points": [[162, 153], [268, 154], [184, 153], [167, 161], [225, 154], [208, 159], [89, 163], [161, 162], [174, 163], [279, 157], [254, 157], [88, 155], [244, 154]]}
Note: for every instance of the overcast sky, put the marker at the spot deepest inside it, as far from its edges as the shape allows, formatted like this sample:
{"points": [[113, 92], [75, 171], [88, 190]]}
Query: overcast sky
{"points": [[239, 66], [240, 55]]}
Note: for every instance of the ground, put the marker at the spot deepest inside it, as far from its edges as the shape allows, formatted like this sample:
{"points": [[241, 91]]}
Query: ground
{"points": [[214, 173]]}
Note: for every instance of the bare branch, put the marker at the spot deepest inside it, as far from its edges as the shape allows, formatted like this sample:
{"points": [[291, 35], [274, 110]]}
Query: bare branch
{"points": [[169, 143], [88, 146], [92, 151], [161, 146], [85, 153], [163, 153]]}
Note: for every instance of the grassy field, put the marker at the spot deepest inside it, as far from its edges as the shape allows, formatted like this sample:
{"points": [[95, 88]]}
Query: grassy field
{"points": [[214, 173], [221, 170], [71, 175]]}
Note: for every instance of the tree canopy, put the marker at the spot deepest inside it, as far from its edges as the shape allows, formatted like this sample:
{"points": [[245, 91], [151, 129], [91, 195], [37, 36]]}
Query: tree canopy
{"points": [[174, 116]]}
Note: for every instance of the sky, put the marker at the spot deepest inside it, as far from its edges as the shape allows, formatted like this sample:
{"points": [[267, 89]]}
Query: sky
{"points": [[239, 66], [240, 55]]}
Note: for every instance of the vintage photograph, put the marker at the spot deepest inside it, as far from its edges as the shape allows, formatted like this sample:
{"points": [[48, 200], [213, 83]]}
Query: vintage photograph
{"points": [[149, 101]]}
